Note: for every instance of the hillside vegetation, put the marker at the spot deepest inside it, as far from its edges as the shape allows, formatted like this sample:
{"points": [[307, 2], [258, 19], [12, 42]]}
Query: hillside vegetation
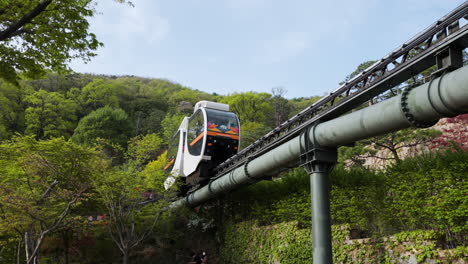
{"points": [[80, 153], [81, 160]]}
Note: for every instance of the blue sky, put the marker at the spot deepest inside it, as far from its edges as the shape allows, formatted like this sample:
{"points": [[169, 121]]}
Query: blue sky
{"points": [[228, 46]]}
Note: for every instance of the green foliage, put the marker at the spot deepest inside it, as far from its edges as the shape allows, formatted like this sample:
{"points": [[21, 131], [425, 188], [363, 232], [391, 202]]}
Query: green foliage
{"points": [[359, 69], [295, 206], [246, 242], [288, 242], [170, 125], [131, 219], [142, 149], [189, 96], [146, 102], [250, 106], [154, 175], [251, 131], [106, 123], [428, 192], [49, 114], [97, 94], [41, 183], [299, 104], [151, 122], [51, 34], [281, 106], [357, 198], [11, 110]]}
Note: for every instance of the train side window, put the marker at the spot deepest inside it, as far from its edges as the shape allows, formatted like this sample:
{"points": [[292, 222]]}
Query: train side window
{"points": [[196, 129], [172, 151], [173, 146]]}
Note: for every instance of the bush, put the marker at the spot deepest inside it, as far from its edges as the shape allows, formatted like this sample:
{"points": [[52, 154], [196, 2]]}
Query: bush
{"points": [[105, 123]]}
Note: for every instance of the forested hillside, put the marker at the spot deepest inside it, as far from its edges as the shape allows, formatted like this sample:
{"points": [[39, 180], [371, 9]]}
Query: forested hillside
{"points": [[54, 106], [82, 160], [76, 148]]}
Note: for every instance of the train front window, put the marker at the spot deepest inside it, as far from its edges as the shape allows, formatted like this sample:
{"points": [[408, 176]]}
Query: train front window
{"points": [[196, 129], [223, 122]]}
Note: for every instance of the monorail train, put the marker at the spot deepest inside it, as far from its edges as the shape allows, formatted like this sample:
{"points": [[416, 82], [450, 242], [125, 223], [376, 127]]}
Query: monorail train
{"points": [[203, 141]]}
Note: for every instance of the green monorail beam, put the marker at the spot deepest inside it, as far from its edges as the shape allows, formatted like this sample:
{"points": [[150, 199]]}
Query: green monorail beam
{"points": [[443, 97]]}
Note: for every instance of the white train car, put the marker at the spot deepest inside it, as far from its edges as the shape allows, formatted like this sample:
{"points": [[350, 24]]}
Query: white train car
{"points": [[210, 136]]}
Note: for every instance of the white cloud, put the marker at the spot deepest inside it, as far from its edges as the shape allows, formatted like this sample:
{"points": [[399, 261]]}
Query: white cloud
{"points": [[285, 47], [145, 23], [141, 23], [332, 20]]}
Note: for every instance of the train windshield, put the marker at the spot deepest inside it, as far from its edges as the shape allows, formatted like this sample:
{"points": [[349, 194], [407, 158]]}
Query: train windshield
{"points": [[222, 122]]}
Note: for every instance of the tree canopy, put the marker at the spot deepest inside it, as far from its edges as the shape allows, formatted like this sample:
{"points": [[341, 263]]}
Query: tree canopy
{"points": [[41, 183], [105, 123], [41, 35]]}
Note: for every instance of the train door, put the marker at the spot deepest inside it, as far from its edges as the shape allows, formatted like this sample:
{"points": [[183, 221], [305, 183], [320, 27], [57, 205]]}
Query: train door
{"points": [[195, 142], [175, 154]]}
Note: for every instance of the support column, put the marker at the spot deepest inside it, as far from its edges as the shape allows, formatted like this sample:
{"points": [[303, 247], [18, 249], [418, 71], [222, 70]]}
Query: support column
{"points": [[321, 220], [318, 162]]}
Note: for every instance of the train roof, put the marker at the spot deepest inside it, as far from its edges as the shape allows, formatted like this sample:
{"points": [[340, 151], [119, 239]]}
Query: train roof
{"points": [[211, 105]]}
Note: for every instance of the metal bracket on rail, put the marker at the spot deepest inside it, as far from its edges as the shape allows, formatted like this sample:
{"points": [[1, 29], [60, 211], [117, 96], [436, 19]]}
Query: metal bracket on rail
{"points": [[448, 59], [313, 154]]}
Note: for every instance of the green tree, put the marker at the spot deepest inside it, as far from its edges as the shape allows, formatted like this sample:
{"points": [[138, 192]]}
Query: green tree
{"points": [[97, 94], [251, 131], [39, 35], [11, 109], [192, 96], [142, 103], [164, 88], [49, 114], [152, 122], [52, 82], [429, 192], [170, 125], [142, 149], [105, 123], [251, 107], [134, 202], [361, 67], [41, 183], [299, 104], [281, 105]]}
